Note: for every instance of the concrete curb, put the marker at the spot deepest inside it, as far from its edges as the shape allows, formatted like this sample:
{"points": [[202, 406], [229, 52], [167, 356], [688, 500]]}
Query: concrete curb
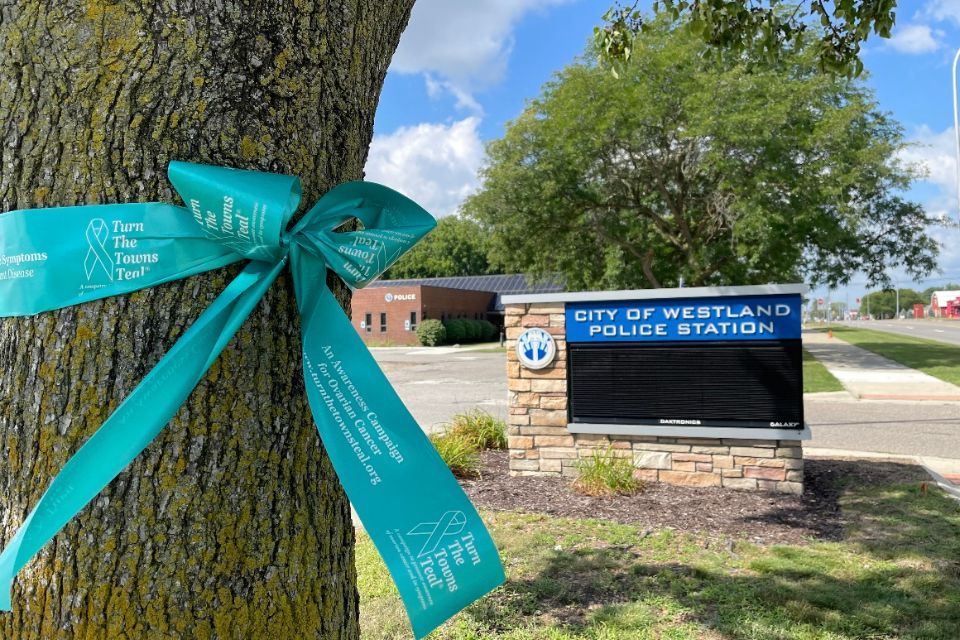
{"points": [[948, 487], [918, 398]]}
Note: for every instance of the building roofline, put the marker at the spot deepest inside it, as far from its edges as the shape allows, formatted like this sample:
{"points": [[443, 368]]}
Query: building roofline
{"points": [[657, 294]]}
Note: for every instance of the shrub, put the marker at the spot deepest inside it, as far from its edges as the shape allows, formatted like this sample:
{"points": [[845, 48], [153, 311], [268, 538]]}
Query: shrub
{"points": [[459, 454], [456, 331], [604, 474], [489, 331], [481, 429], [473, 329], [430, 333]]}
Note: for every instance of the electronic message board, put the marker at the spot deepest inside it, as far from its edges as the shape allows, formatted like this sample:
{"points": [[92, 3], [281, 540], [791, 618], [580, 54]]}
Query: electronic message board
{"points": [[725, 361]]}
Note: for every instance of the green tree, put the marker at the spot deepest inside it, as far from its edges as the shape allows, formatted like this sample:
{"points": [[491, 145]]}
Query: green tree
{"points": [[765, 27], [232, 524], [457, 247], [693, 167], [883, 304]]}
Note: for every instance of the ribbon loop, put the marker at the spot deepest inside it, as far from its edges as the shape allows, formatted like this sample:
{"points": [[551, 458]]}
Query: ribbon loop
{"points": [[245, 211], [392, 224]]}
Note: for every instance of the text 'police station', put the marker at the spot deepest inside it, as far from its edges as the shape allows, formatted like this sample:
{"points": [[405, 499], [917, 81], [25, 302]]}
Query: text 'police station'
{"points": [[688, 320]]}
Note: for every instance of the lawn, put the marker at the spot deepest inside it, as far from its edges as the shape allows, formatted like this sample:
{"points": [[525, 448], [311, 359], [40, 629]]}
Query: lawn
{"points": [[816, 378], [938, 359], [895, 574]]}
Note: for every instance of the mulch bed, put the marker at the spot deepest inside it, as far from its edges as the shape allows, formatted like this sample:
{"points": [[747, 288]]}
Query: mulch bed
{"points": [[757, 516]]}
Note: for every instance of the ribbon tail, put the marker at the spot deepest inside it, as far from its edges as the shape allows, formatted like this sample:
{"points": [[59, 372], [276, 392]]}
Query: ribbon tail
{"points": [[137, 421], [387, 465]]}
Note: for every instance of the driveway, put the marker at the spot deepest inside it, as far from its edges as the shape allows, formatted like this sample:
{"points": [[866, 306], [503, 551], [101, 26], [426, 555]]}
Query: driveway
{"points": [[439, 382]]}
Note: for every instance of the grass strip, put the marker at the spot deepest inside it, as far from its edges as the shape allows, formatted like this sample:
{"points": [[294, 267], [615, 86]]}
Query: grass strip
{"points": [[938, 359], [816, 377], [896, 574]]}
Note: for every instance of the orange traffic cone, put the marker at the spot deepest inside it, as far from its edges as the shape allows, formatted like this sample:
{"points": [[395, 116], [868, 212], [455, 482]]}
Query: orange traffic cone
{"points": [[829, 333]]}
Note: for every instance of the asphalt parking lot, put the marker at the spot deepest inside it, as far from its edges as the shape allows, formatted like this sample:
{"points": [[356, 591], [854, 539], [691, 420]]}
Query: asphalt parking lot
{"points": [[437, 383]]}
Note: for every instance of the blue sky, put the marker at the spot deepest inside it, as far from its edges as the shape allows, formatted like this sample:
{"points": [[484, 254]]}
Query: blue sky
{"points": [[463, 70]]}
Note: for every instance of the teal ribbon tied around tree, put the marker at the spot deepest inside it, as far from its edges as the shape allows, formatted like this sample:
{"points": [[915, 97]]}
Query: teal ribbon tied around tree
{"points": [[429, 534]]}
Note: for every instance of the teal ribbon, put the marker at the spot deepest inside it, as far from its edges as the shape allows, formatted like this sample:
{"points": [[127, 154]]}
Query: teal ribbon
{"points": [[429, 534]]}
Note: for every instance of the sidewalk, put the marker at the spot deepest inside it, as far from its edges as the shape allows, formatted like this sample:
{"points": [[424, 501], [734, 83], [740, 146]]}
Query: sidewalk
{"points": [[868, 376]]}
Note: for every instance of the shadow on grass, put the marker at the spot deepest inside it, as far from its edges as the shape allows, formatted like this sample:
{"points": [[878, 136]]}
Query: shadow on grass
{"points": [[819, 508], [789, 593], [896, 574]]}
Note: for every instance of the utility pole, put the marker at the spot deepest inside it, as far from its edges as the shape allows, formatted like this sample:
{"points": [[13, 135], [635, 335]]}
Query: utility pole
{"points": [[956, 121]]}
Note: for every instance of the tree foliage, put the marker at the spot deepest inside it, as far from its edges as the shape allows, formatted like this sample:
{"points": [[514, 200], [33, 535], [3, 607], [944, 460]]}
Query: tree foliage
{"points": [[767, 27], [883, 304], [927, 293], [691, 167], [457, 247]]}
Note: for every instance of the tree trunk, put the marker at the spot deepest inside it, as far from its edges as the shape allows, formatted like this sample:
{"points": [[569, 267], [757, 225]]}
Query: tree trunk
{"points": [[232, 523]]}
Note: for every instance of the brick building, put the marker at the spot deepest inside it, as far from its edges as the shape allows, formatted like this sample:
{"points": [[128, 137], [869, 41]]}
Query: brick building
{"points": [[392, 313], [390, 310]]}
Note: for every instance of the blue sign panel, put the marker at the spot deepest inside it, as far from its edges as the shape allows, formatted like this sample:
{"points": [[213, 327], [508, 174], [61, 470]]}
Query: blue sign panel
{"points": [[760, 317]]}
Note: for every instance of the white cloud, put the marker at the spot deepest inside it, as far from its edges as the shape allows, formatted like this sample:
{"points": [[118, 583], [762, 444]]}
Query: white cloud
{"points": [[434, 164], [466, 44], [942, 10], [935, 152], [915, 38], [435, 88]]}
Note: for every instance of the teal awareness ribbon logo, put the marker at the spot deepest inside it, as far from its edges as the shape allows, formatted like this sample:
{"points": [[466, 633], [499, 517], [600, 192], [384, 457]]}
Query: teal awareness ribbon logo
{"points": [[451, 524], [98, 256], [430, 536]]}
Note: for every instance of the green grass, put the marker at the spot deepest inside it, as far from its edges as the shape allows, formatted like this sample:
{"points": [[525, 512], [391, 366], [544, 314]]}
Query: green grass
{"points": [[816, 378], [383, 342], [938, 359], [604, 474], [480, 428], [461, 455], [465, 437], [896, 574]]}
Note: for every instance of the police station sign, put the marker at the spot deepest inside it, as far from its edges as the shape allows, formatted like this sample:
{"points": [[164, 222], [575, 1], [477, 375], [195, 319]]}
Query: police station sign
{"points": [[699, 386], [726, 357], [767, 317]]}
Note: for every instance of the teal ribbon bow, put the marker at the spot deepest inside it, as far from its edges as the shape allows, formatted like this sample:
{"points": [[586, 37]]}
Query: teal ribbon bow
{"points": [[413, 509]]}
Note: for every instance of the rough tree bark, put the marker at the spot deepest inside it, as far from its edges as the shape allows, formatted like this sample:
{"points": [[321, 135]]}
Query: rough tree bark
{"points": [[232, 524]]}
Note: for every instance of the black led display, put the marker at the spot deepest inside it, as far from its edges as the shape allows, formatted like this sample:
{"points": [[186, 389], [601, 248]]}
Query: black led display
{"points": [[723, 384]]}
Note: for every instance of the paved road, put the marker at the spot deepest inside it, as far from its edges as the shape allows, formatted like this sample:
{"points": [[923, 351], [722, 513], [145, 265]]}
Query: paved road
{"points": [[838, 421], [942, 330], [436, 384]]}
